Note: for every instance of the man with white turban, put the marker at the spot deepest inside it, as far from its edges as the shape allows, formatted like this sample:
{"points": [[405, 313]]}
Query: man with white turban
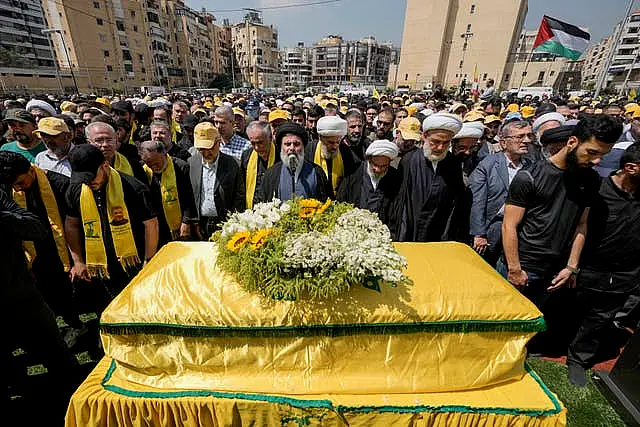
{"points": [[432, 183], [540, 125], [465, 146], [334, 158], [40, 109], [375, 184]]}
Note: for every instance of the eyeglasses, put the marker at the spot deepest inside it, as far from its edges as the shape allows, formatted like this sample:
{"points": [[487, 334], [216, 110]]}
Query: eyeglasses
{"points": [[521, 137], [102, 141]]}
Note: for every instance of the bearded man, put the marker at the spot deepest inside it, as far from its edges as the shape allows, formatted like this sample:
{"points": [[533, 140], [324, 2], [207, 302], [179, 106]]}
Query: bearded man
{"points": [[294, 175], [335, 159], [432, 183], [355, 138], [375, 185]]}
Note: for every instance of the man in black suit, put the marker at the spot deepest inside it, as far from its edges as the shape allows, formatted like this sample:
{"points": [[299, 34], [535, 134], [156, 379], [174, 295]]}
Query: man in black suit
{"points": [[217, 181]]}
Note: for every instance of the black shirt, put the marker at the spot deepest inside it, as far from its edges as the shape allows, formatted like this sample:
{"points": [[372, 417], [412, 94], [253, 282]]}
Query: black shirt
{"points": [[554, 200], [130, 152], [185, 196], [611, 255], [179, 152], [139, 206], [262, 168]]}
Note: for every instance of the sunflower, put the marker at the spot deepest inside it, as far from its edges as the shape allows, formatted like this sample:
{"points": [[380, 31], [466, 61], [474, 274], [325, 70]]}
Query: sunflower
{"points": [[309, 207], [260, 238], [238, 240], [324, 207]]}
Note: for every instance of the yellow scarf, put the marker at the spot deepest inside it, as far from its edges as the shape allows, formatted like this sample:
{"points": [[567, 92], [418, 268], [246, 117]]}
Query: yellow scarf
{"points": [[252, 172], [134, 127], [337, 170], [121, 164], [169, 192], [175, 130], [119, 223], [55, 220]]}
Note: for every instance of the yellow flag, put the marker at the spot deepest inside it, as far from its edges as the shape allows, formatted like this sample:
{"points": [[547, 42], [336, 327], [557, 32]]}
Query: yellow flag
{"points": [[632, 94], [376, 94]]}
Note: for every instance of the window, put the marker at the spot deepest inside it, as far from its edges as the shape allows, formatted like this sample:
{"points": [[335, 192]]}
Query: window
{"points": [[103, 37], [106, 53], [96, 5], [406, 76], [126, 55], [141, 57], [551, 73], [484, 76], [128, 68], [524, 74], [133, 13], [109, 68], [541, 76], [99, 21], [135, 28], [461, 63], [143, 70], [468, 28], [506, 77], [473, 9], [120, 25]]}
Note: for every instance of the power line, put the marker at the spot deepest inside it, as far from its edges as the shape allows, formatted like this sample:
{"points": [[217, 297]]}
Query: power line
{"points": [[316, 3]]}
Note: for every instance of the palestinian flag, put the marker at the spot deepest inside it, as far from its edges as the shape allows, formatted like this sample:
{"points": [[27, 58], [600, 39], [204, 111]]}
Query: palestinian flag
{"points": [[560, 38]]}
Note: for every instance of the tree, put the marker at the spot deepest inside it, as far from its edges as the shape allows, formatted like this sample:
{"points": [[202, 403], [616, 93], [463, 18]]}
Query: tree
{"points": [[220, 81]]}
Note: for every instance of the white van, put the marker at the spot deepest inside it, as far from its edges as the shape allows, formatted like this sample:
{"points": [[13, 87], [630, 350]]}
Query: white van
{"points": [[538, 91]]}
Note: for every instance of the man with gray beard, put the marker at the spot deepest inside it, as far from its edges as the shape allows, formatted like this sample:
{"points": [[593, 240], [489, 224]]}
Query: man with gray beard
{"points": [[432, 185], [293, 176]]}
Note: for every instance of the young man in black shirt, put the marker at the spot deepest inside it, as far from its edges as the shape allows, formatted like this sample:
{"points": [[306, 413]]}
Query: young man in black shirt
{"points": [[610, 266], [89, 168], [546, 211]]}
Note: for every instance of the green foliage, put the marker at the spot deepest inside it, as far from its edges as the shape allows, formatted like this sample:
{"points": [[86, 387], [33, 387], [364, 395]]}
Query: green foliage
{"points": [[261, 270], [220, 81]]}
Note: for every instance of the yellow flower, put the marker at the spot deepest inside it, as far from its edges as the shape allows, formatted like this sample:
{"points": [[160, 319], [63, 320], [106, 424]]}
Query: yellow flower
{"points": [[309, 207], [260, 238], [325, 206], [238, 240]]}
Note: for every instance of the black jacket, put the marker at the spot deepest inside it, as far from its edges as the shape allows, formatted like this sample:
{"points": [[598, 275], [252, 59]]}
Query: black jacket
{"points": [[229, 186], [269, 189]]}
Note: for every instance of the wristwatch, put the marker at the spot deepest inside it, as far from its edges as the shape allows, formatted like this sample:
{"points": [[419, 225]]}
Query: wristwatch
{"points": [[572, 269]]}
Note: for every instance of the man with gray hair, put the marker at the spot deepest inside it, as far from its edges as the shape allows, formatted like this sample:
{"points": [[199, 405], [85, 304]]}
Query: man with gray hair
{"points": [[232, 144], [256, 160], [489, 185], [102, 136], [161, 131]]}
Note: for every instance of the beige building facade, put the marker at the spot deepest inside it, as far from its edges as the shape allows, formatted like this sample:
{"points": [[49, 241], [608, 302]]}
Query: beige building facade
{"points": [[444, 41], [256, 50]]}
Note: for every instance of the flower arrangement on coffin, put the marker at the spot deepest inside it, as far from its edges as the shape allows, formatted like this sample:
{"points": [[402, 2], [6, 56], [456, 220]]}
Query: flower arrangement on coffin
{"points": [[306, 248]]}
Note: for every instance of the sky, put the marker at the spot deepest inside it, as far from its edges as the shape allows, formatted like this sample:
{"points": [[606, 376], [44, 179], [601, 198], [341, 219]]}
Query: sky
{"points": [[384, 19]]}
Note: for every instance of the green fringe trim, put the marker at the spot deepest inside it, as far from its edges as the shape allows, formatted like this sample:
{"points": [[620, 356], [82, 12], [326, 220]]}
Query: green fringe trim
{"points": [[331, 330], [328, 405]]}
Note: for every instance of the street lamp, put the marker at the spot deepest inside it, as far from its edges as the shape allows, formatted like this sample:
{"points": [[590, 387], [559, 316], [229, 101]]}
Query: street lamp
{"points": [[64, 46]]}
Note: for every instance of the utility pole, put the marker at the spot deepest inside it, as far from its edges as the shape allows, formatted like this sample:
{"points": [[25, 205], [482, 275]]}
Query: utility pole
{"points": [[466, 36], [614, 43], [55, 64], [64, 46]]}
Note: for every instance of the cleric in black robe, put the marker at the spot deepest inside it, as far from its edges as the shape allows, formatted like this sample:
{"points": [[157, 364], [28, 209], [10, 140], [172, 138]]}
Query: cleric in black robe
{"points": [[278, 180], [335, 159], [375, 185], [432, 184]]}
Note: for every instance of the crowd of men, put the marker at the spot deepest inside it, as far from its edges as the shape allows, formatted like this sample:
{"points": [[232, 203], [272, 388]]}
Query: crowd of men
{"points": [[545, 190]]}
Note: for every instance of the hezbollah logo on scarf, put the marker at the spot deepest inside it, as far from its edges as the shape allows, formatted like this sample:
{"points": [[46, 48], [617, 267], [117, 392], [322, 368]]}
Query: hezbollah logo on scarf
{"points": [[119, 224], [169, 192], [252, 172], [337, 169], [121, 164], [55, 220]]}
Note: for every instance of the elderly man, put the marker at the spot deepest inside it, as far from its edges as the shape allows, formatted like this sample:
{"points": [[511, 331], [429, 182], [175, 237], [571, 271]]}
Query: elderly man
{"points": [[294, 175], [540, 125], [355, 138], [335, 159], [216, 180], [408, 137], [168, 180], [232, 144], [40, 109], [258, 159], [489, 185], [375, 185], [56, 136], [161, 131], [432, 183], [464, 146], [111, 226], [489, 143], [240, 122], [22, 138], [102, 136]]}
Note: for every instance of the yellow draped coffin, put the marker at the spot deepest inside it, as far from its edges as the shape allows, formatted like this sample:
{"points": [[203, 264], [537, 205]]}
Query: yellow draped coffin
{"points": [[184, 324]]}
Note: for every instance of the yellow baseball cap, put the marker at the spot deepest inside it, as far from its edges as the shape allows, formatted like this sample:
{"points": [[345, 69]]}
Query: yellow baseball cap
{"points": [[473, 116], [208, 104], [631, 107], [205, 135], [491, 118], [409, 128], [51, 126], [239, 111], [278, 114], [67, 106], [104, 101], [513, 108], [527, 111]]}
